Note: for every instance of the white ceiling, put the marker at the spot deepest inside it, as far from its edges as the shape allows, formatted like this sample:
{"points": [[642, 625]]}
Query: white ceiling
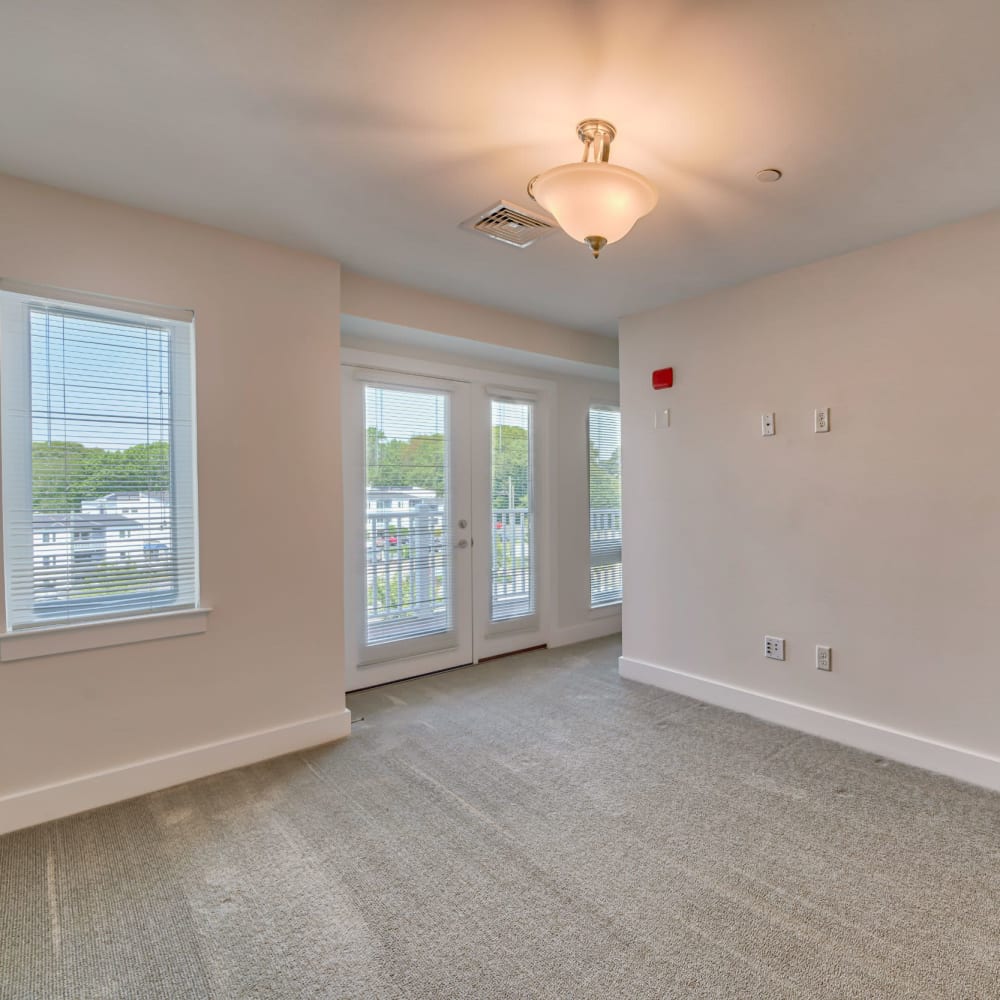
{"points": [[368, 130]]}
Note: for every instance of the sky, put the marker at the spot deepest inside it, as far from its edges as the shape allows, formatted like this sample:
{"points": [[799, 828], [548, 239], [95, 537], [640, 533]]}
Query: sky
{"points": [[404, 413], [401, 414], [102, 383]]}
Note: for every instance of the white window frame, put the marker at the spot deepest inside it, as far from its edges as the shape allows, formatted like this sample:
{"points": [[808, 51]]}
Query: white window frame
{"points": [[493, 627], [490, 638], [184, 615], [414, 646], [608, 607]]}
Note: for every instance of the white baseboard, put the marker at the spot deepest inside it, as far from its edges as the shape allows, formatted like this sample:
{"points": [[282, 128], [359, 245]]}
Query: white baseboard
{"points": [[596, 628], [37, 805], [957, 762]]}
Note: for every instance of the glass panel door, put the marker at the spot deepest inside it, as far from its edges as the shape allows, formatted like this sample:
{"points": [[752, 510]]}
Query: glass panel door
{"points": [[408, 558], [512, 569], [411, 539], [444, 534]]}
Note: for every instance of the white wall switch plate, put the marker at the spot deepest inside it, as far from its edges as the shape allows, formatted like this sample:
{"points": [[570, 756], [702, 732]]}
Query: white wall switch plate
{"points": [[767, 424], [824, 658], [661, 419], [821, 420], [774, 648]]}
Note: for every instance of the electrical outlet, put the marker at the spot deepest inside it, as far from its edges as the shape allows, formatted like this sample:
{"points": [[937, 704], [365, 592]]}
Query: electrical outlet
{"points": [[774, 648], [767, 425], [821, 420], [824, 658]]}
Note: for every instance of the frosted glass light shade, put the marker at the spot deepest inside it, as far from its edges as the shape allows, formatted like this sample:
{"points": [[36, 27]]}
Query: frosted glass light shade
{"points": [[594, 199]]}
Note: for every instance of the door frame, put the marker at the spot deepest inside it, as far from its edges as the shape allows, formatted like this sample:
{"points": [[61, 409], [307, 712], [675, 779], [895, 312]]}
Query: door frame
{"points": [[488, 639], [438, 651]]}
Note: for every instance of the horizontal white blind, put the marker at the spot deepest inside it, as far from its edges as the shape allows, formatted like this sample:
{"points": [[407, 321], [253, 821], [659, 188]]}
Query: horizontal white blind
{"points": [[604, 443], [408, 555], [99, 477], [513, 551]]}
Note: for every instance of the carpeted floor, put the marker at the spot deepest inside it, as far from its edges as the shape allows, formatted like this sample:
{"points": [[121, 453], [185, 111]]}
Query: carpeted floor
{"points": [[531, 827]]}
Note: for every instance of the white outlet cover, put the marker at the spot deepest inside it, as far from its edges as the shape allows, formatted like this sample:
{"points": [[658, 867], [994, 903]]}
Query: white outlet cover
{"points": [[824, 658], [767, 425], [821, 420], [774, 647]]}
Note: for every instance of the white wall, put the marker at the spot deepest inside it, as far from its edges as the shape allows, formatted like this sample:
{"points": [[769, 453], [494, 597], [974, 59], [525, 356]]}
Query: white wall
{"points": [[881, 538], [270, 666], [402, 306]]}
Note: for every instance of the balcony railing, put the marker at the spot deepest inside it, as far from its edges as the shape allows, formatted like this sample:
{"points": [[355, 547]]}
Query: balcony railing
{"points": [[408, 562], [513, 592], [605, 556], [408, 559]]}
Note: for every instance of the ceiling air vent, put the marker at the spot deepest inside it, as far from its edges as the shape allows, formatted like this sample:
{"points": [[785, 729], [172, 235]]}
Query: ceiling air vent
{"points": [[519, 227]]}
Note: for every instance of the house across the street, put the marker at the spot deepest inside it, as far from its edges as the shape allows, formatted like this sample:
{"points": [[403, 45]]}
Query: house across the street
{"points": [[116, 529]]}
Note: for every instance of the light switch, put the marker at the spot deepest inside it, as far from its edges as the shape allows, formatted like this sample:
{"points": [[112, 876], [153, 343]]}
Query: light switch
{"points": [[767, 425], [661, 419]]}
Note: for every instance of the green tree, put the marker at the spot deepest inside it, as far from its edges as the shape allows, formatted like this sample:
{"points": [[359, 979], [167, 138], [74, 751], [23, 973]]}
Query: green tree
{"points": [[422, 461], [398, 465], [65, 473], [605, 479], [511, 465], [419, 462], [144, 467]]}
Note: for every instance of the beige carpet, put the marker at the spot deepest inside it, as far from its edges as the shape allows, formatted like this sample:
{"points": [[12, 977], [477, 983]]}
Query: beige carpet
{"points": [[532, 827]]}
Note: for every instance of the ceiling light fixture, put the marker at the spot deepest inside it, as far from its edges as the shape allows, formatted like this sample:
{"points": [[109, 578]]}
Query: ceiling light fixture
{"points": [[594, 201]]}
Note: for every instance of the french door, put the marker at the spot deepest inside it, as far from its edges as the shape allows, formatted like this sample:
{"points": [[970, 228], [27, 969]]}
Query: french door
{"points": [[441, 528]]}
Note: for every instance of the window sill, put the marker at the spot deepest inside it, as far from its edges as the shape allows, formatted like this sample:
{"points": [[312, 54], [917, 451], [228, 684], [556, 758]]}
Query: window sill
{"points": [[56, 639], [606, 610]]}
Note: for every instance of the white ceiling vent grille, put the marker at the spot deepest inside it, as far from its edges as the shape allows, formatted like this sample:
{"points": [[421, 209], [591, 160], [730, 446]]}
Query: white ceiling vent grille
{"points": [[519, 227]]}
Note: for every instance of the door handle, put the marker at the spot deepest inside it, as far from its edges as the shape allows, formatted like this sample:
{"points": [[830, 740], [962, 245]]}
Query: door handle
{"points": [[462, 543], [463, 524]]}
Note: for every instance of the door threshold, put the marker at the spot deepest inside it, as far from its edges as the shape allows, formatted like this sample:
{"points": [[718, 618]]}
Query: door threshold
{"points": [[513, 652]]}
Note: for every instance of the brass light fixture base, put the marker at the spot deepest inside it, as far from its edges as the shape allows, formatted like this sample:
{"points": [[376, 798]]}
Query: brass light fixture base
{"points": [[590, 127], [597, 244], [596, 134]]}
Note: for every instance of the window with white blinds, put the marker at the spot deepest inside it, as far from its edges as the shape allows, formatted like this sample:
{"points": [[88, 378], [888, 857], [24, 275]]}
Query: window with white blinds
{"points": [[513, 549], [604, 444], [408, 555], [98, 462]]}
